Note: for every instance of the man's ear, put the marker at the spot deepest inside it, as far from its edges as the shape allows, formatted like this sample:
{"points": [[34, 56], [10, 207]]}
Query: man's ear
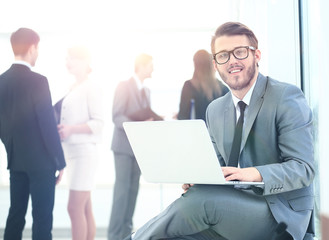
{"points": [[32, 54], [30, 50], [258, 55], [34, 48]]}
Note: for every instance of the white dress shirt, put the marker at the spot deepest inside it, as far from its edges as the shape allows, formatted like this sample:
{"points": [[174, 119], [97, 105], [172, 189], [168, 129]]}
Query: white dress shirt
{"points": [[23, 63], [246, 100]]}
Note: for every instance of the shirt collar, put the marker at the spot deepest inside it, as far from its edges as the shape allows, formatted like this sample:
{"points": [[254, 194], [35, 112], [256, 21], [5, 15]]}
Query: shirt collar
{"points": [[139, 84], [246, 98], [23, 63]]}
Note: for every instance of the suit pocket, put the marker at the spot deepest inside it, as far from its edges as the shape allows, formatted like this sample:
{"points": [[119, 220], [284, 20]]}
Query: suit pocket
{"points": [[302, 203]]}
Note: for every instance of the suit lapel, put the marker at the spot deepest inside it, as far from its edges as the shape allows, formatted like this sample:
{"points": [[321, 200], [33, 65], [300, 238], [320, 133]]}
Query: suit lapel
{"points": [[135, 91], [229, 127], [254, 107], [142, 101]]}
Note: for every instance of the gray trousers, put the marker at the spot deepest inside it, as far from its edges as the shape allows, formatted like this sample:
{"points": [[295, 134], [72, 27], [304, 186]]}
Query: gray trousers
{"points": [[127, 174], [212, 212]]}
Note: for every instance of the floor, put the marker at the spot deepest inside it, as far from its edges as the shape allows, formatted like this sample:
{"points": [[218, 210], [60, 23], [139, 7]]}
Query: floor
{"points": [[155, 196]]}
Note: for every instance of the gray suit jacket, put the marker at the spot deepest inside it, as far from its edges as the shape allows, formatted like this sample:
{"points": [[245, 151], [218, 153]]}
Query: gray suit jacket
{"points": [[127, 101], [277, 140]]}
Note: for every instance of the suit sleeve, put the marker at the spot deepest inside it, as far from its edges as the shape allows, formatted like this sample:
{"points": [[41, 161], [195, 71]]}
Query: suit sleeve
{"points": [[95, 109], [47, 124], [295, 168], [119, 108]]}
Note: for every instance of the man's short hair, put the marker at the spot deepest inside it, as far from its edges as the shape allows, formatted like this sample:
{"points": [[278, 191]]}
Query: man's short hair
{"points": [[22, 40], [142, 60], [233, 29]]}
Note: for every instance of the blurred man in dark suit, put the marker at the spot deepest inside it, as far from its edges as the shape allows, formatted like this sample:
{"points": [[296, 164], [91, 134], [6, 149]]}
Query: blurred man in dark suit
{"points": [[29, 133]]}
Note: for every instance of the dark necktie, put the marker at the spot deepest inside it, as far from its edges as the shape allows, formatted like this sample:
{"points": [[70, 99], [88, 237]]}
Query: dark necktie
{"points": [[236, 145]]}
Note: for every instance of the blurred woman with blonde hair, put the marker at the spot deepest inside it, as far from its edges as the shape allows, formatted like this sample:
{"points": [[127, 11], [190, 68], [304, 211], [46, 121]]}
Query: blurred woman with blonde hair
{"points": [[80, 126]]}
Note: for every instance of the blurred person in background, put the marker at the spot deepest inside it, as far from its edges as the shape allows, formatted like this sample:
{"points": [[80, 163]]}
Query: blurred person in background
{"points": [[131, 103], [28, 131], [201, 90], [80, 115]]}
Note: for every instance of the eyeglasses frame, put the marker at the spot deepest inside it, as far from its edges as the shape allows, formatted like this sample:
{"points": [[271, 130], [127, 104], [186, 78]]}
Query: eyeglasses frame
{"points": [[232, 52]]}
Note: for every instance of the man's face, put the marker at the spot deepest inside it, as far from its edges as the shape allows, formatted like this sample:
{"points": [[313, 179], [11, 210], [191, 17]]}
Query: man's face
{"points": [[148, 70], [237, 74]]}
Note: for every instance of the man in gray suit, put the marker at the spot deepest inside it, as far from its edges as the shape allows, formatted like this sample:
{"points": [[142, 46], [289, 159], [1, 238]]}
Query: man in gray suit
{"points": [[131, 103], [275, 147]]}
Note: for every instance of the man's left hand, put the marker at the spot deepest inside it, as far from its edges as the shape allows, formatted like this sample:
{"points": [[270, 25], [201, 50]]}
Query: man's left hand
{"points": [[250, 174]]}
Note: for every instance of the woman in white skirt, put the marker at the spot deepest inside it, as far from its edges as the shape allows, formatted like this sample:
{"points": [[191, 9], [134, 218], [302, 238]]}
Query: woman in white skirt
{"points": [[80, 126]]}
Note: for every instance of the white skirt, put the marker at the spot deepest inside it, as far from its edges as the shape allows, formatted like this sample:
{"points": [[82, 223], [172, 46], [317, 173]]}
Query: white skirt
{"points": [[81, 165]]}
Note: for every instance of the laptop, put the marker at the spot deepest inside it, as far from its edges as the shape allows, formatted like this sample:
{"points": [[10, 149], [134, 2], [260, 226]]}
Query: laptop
{"points": [[178, 151]]}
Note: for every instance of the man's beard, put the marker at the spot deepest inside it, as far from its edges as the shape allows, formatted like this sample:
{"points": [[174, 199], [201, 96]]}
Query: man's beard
{"points": [[251, 71]]}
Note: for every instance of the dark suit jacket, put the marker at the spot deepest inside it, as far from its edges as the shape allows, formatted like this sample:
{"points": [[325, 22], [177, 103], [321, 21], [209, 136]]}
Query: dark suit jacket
{"points": [[128, 105], [201, 101], [277, 140], [27, 123]]}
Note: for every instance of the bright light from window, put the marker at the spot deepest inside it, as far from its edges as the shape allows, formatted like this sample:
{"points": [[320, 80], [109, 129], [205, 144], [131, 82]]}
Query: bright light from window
{"points": [[115, 32]]}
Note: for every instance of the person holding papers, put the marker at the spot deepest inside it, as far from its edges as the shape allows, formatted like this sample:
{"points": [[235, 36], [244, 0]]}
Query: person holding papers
{"points": [[262, 131], [131, 103]]}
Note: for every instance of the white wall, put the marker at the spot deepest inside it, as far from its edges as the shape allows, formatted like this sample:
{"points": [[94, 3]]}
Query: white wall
{"points": [[320, 41], [275, 23]]}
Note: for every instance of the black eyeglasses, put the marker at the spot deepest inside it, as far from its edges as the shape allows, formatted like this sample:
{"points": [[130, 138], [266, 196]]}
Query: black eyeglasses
{"points": [[238, 52]]}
